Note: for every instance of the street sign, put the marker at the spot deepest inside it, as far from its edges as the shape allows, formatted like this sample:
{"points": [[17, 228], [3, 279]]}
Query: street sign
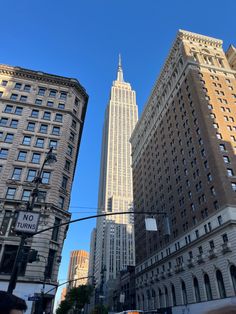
{"points": [[27, 222], [34, 298]]}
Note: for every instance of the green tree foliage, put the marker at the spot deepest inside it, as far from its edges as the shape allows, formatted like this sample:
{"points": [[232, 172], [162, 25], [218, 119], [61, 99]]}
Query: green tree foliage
{"points": [[75, 299]]}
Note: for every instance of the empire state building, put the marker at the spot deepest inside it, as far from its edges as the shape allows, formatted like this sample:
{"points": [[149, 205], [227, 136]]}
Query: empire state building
{"points": [[113, 249]]}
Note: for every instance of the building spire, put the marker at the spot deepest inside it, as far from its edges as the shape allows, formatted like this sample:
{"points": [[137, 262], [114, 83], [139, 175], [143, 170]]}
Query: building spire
{"points": [[120, 71]]}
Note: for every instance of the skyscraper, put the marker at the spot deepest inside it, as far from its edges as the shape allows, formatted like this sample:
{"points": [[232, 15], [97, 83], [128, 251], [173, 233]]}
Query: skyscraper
{"points": [[78, 268], [114, 248], [37, 111], [184, 165]]}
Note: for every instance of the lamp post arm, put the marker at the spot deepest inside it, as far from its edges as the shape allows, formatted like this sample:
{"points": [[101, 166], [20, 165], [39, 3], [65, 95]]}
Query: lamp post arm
{"points": [[96, 216]]}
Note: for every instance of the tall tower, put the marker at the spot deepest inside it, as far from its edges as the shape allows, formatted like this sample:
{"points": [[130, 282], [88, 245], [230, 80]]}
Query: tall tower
{"points": [[115, 237]]}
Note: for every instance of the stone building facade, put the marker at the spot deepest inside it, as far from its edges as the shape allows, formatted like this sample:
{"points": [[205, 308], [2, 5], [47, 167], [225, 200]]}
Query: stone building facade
{"points": [[78, 268], [37, 111], [184, 165]]}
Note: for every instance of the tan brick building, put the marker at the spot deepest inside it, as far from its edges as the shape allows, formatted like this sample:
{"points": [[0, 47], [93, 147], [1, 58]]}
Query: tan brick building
{"points": [[78, 268], [37, 111], [184, 165]]}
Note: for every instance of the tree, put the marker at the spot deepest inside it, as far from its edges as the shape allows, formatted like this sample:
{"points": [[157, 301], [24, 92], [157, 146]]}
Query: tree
{"points": [[76, 299]]}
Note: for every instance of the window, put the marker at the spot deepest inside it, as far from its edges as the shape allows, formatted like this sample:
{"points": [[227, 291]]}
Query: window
{"points": [[233, 186], [38, 101], [41, 91], [9, 138], [14, 124], [219, 136], [1, 93], [64, 182], [52, 93], [184, 293], [220, 283], [226, 159], [61, 106], [230, 172], [23, 98], [55, 231], [26, 195], [3, 121], [41, 197], [76, 101], [50, 263], [16, 174], [69, 150], [39, 142], [18, 110], [53, 144], [63, 95], [1, 135], [61, 202], [50, 103], [22, 156], [196, 290], [46, 177], [72, 136], [43, 128], [225, 238], [31, 126], [56, 130], [67, 165], [26, 140], [5, 222], [222, 147], [47, 115], [8, 260], [212, 244], [58, 117], [31, 175], [13, 96], [8, 109], [73, 124], [10, 193], [233, 276], [208, 287], [36, 158], [27, 88], [18, 86], [34, 113], [215, 125], [3, 153], [4, 83]]}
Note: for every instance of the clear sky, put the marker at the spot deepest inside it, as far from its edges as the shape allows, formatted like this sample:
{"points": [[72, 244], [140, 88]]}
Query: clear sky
{"points": [[82, 39]]}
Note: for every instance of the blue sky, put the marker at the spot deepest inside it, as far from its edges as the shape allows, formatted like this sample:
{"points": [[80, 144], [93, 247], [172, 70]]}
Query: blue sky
{"points": [[82, 39]]}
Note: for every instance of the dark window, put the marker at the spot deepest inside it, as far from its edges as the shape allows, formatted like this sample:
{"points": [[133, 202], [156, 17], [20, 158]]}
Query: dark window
{"points": [[26, 140], [27, 88], [3, 121], [53, 144], [10, 193], [16, 174], [3, 153], [13, 96], [23, 98], [31, 175], [46, 177], [4, 83], [55, 231], [8, 109], [58, 117], [22, 156], [72, 136], [221, 285], [43, 128], [73, 124], [39, 142], [47, 115], [67, 165], [61, 202], [5, 222], [184, 293], [69, 150], [64, 182], [1, 93], [9, 138], [36, 158], [208, 287], [41, 91], [233, 276], [8, 259], [196, 290], [50, 103], [26, 195], [31, 126], [14, 124], [38, 101], [18, 86], [18, 110], [50, 263], [61, 106], [63, 95], [41, 197], [35, 113], [56, 130], [52, 93]]}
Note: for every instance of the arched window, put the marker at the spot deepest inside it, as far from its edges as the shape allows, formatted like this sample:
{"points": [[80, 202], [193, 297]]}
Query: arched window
{"points": [[166, 297], [173, 295], [138, 301], [196, 290], [233, 276], [208, 287], [184, 293], [221, 285], [160, 297]]}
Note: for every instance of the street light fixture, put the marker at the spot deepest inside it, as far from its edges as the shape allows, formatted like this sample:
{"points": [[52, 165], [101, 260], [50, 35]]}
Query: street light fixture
{"points": [[50, 158]]}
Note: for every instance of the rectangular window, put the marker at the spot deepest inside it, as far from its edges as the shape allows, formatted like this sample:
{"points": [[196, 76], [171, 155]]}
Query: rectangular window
{"points": [[27, 88], [4, 83], [58, 117], [10, 193], [43, 128], [39, 142], [226, 159], [14, 124], [222, 147], [41, 91], [26, 195], [72, 136], [5, 222], [23, 98], [53, 144], [50, 264], [16, 174], [8, 109], [34, 113], [67, 165], [64, 182], [56, 130], [38, 101], [18, 86], [63, 95], [73, 124], [55, 231], [22, 156], [230, 172], [47, 115], [26, 140], [36, 158], [3, 153], [31, 126], [41, 197], [52, 93], [8, 260], [69, 150], [31, 175], [1, 93], [225, 238], [9, 138], [61, 106], [3, 121], [50, 103], [13, 96], [61, 201], [233, 186], [46, 177], [19, 111]]}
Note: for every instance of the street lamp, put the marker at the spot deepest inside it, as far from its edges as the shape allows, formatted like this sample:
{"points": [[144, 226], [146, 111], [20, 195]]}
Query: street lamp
{"points": [[50, 158]]}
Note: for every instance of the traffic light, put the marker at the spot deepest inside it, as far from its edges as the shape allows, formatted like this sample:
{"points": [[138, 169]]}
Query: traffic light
{"points": [[32, 256]]}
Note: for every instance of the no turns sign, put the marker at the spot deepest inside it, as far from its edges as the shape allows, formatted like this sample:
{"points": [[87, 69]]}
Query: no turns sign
{"points": [[27, 222]]}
